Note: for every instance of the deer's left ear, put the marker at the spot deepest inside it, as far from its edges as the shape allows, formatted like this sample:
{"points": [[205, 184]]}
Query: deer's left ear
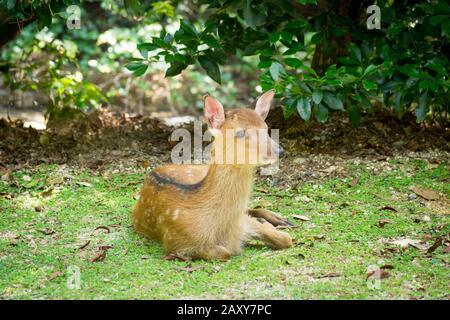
{"points": [[263, 104], [214, 114]]}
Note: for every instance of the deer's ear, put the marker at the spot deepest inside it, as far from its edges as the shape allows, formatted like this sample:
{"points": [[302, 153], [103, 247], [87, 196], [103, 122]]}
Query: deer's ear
{"points": [[214, 113], [263, 104]]}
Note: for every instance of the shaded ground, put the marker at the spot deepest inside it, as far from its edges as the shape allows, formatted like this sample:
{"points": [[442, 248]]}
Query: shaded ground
{"points": [[372, 215]]}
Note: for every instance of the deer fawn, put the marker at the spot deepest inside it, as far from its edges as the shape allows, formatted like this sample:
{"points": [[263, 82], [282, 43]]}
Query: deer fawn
{"points": [[200, 211]]}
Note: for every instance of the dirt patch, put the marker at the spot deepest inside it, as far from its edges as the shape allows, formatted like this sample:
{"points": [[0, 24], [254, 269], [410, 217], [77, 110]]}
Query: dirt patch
{"points": [[380, 134], [97, 139], [313, 150]]}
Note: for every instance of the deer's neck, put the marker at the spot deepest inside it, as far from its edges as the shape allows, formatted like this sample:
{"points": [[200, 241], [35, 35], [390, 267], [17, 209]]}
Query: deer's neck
{"points": [[228, 187]]}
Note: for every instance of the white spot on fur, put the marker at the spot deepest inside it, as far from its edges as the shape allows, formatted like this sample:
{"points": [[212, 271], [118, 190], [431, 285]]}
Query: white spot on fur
{"points": [[175, 214]]}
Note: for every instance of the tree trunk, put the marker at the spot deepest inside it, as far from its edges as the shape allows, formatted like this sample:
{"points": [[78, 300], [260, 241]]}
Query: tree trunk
{"points": [[9, 30], [331, 47]]}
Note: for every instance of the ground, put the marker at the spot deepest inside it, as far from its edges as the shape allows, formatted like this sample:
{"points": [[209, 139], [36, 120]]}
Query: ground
{"points": [[368, 226]]}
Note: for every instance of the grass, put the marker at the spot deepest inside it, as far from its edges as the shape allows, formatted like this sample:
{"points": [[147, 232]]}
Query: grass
{"points": [[51, 212]]}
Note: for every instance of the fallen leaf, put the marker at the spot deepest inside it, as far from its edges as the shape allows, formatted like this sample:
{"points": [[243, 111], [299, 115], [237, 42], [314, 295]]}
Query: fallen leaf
{"points": [[47, 193], [96, 164], [84, 245], [7, 176], [377, 274], [420, 245], [354, 182], [39, 208], [102, 228], [3, 170], [319, 237], [262, 190], [435, 245], [427, 236], [405, 243], [99, 257], [330, 169], [54, 275], [412, 145], [388, 251], [105, 248], [131, 183], [84, 184], [47, 232], [426, 194], [382, 222], [282, 277], [388, 208], [446, 249], [328, 275], [145, 164], [387, 267], [7, 195], [300, 217], [300, 256]]}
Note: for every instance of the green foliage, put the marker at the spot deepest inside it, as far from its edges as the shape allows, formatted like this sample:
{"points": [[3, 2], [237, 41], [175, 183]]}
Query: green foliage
{"points": [[403, 66], [99, 51], [42, 11], [184, 47], [320, 57], [39, 62]]}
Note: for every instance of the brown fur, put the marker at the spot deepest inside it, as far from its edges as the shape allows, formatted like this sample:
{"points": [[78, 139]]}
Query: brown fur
{"points": [[201, 211]]}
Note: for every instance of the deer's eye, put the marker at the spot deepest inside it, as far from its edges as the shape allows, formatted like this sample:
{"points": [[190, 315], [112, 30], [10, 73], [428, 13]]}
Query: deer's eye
{"points": [[240, 133]]}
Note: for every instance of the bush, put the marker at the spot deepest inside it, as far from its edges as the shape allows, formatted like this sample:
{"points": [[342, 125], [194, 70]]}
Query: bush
{"points": [[319, 56]]}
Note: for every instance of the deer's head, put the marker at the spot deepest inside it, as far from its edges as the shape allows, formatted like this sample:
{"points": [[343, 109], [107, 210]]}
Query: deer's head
{"points": [[241, 136]]}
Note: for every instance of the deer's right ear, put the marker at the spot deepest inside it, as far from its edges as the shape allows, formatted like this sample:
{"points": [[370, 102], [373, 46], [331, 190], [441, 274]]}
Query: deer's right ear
{"points": [[214, 113], [263, 104]]}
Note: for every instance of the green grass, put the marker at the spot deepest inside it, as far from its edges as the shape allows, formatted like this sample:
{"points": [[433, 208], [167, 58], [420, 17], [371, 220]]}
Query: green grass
{"points": [[329, 260]]}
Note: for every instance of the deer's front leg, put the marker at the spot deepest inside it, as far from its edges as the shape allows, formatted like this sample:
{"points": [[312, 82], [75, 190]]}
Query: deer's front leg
{"points": [[267, 233], [270, 217]]}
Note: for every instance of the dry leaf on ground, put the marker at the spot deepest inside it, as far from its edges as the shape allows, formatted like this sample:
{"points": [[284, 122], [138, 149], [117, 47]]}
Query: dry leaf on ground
{"points": [[405, 243], [54, 275], [382, 222], [377, 274], [426, 194], [300, 217]]}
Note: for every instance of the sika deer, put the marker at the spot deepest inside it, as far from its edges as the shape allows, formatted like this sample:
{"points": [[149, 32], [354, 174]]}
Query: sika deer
{"points": [[200, 211]]}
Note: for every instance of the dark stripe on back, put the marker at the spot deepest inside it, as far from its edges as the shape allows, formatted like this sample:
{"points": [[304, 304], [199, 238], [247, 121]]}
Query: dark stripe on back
{"points": [[164, 180]]}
